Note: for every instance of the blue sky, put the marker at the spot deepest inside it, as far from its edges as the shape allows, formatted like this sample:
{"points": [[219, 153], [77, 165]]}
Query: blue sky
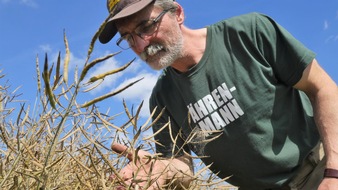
{"points": [[35, 27]]}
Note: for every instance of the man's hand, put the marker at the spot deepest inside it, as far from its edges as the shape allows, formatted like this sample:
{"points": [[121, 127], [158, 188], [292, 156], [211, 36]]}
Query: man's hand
{"points": [[329, 184], [142, 170]]}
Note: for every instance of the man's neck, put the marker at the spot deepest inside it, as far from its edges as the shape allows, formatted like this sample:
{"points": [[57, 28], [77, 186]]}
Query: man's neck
{"points": [[194, 47]]}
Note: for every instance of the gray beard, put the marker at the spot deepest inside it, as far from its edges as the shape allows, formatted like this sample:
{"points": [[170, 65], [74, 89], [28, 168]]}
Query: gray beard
{"points": [[170, 54]]}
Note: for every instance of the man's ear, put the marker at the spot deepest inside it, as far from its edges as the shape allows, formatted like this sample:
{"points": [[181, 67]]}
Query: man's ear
{"points": [[179, 13]]}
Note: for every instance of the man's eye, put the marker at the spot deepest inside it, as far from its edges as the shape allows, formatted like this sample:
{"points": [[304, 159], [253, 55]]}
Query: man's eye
{"points": [[126, 37], [147, 28]]}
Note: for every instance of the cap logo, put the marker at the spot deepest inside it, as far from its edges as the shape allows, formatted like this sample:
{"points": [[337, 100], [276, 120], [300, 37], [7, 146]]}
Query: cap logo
{"points": [[112, 4]]}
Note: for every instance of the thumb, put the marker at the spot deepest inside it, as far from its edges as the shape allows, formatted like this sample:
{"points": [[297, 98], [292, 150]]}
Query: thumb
{"points": [[122, 149]]}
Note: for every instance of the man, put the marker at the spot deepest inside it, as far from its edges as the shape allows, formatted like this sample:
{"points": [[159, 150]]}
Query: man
{"points": [[243, 94]]}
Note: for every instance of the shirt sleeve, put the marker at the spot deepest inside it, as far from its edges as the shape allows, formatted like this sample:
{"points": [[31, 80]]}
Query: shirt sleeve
{"points": [[288, 56]]}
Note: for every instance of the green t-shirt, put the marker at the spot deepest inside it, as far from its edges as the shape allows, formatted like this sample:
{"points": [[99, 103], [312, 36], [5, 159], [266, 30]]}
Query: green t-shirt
{"points": [[237, 108]]}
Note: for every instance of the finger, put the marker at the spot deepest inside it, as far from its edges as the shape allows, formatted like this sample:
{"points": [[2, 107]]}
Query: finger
{"points": [[122, 149], [120, 187], [115, 178], [121, 183], [111, 177]]}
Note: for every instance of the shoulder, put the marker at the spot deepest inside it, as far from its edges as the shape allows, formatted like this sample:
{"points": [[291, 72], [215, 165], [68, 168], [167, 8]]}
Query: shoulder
{"points": [[244, 18], [243, 22], [248, 18]]}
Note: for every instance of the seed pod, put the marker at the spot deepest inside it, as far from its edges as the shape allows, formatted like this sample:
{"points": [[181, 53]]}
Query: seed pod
{"points": [[98, 99], [66, 61], [57, 75], [45, 76], [103, 75], [96, 35], [38, 73], [93, 63]]}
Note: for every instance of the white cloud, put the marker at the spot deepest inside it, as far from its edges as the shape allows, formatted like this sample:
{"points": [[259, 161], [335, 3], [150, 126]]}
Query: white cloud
{"points": [[74, 61], [326, 25], [140, 91], [332, 38], [45, 48], [53, 56], [133, 95], [109, 81], [336, 38], [30, 3], [5, 1], [136, 66]]}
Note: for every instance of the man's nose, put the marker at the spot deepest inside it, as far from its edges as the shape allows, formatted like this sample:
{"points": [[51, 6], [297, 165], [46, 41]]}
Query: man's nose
{"points": [[140, 44]]}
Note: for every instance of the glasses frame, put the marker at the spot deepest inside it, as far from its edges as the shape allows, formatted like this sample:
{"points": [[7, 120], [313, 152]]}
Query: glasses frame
{"points": [[128, 37]]}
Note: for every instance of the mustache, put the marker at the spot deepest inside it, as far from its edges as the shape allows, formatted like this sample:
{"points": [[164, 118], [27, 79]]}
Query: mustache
{"points": [[151, 50]]}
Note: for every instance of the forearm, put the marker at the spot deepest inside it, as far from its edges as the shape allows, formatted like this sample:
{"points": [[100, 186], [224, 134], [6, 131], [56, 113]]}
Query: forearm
{"points": [[325, 105], [323, 93]]}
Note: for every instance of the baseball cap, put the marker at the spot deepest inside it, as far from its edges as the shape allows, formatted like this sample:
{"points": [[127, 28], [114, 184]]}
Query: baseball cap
{"points": [[120, 9]]}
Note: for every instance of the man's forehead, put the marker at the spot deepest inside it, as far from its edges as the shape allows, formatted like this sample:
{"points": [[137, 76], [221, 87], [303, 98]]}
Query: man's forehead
{"points": [[132, 21]]}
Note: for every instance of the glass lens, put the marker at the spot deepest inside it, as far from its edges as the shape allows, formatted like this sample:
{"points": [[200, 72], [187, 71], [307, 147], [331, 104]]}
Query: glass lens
{"points": [[146, 29], [124, 44], [126, 41]]}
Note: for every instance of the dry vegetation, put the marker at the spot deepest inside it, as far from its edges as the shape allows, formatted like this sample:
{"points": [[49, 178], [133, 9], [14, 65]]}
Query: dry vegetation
{"points": [[60, 144]]}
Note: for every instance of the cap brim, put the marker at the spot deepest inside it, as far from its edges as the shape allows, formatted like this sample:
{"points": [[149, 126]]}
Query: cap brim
{"points": [[110, 29], [108, 32]]}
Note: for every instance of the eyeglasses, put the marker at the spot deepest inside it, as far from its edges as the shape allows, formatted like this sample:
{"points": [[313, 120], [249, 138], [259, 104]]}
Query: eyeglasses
{"points": [[146, 28]]}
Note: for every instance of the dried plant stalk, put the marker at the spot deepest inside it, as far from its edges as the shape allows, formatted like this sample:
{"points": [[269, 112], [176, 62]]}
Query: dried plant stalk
{"points": [[101, 98], [46, 78], [67, 57], [38, 78], [103, 75], [66, 147], [93, 63]]}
